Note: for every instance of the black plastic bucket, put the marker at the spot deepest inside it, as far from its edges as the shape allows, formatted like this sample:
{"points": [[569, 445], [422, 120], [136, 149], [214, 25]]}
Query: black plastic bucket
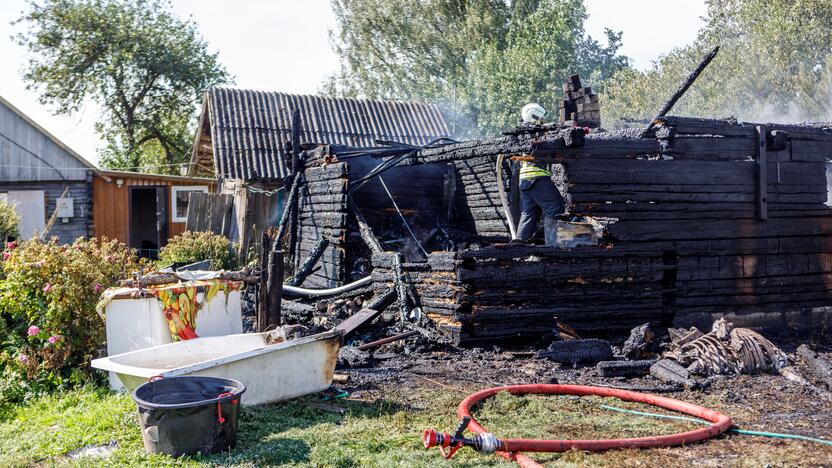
{"points": [[188, 415]]}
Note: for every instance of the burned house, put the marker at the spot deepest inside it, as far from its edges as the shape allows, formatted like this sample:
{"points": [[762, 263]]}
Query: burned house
{"points": [[694, 220], [244, 140]]}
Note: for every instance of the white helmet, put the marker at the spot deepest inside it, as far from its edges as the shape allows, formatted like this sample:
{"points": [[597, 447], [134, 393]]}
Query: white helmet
{"points": [[532, 112]]}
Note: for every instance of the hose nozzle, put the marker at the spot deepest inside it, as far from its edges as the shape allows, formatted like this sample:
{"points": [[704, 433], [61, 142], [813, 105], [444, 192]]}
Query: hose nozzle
{"points": [[448, 444]]}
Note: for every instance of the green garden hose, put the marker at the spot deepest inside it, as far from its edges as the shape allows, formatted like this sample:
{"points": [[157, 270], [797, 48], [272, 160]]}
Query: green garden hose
{"points": [[732, 429]]}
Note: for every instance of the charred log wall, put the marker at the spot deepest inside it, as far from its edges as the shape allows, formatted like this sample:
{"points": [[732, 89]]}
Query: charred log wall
{"points": [[438, 289], [687, 242], [322, 211]]}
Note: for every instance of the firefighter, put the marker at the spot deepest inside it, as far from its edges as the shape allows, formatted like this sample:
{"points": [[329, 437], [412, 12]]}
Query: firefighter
{"points": [[538, 193]]}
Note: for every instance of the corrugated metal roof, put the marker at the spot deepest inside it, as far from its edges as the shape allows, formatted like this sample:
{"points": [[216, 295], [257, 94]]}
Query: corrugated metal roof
{"points": [[249, 128]]}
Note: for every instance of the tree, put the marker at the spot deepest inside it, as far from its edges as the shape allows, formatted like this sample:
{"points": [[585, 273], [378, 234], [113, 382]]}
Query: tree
{"points": [[775, 64], [480, 59], [144, 67]]}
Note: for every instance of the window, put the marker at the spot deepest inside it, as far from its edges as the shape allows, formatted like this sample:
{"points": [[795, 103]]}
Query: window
{"points": [[179, 201], [31, 205]]}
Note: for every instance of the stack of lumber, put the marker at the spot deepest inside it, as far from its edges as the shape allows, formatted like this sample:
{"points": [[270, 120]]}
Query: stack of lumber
{"points": [[579, 106]]}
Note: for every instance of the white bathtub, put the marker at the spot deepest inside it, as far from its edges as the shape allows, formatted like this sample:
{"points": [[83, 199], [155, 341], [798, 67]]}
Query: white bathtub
{"points": [[134, 324], [270, 372]]}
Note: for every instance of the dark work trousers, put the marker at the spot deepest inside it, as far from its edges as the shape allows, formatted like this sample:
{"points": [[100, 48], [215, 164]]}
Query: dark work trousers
{"points": [[537, 195]]}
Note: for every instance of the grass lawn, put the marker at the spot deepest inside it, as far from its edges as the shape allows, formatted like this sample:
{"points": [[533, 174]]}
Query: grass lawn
{"points": [[384, 430]]}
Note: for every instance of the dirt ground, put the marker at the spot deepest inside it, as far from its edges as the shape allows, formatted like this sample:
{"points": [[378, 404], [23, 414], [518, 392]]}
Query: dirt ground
{"points": [[755, 402]]}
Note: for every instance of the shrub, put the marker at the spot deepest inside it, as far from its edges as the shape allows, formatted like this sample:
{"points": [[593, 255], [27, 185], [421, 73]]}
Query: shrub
{"points": [[190, 247], [48, 296], [9, 220]]}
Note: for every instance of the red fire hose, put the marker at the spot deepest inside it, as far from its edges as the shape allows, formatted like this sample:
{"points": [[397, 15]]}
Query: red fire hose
{"points": [[510, 448]]}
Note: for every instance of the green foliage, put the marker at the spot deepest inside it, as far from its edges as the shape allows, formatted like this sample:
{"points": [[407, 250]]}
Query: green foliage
{"points": [[48, 297], [482, 60], [775, 64], [146, 68], [190, 247], [9, 220]]}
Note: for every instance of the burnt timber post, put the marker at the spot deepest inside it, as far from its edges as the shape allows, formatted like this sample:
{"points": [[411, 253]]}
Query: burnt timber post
{"points": [[270, 287], [762, 190], [275, 289], [295, 141]]}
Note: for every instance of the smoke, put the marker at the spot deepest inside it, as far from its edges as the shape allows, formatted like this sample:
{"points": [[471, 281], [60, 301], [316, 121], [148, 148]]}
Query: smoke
{"points": [[761, 111]]}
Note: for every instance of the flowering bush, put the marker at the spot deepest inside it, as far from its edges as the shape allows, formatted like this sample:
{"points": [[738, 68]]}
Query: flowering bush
{"points": [[48, 293], [9, 220], [190, 247]]}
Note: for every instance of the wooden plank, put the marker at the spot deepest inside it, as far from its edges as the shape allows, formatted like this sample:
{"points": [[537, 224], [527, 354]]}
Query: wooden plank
{"points": [[367, 314]]}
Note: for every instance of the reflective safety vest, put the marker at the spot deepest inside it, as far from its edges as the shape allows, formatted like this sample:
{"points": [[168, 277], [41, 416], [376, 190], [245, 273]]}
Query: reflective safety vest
{"points": [[530, 171]]}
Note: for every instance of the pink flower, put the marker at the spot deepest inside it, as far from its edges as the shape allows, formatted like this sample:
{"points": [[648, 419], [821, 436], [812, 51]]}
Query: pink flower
{"points": [[23, 358], [97, 287], [33, 330], [11, 245], [47, 288], [54, 339], [6, 255]]}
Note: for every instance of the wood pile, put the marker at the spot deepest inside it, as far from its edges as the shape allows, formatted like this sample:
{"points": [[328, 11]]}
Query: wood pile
{"points": [[579, 106]]}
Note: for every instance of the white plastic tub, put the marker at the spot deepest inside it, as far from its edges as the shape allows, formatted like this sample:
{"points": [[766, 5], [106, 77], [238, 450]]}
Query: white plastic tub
{"points": [[270, 372], [134, 324]]}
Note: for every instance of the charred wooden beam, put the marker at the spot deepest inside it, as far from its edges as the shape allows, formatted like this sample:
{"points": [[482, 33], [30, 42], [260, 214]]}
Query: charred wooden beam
{"points": [[577, 351], [681, 90], [389, 339], [366, 315], [365, 230], [306, 269], [821, 368], [762, 196], [624, 368], [288, 207], [296, 149], [670, 371]]}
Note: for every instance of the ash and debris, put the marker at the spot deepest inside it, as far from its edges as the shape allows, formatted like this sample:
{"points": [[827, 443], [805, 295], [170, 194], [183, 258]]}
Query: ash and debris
{"points": [[648, 359]]}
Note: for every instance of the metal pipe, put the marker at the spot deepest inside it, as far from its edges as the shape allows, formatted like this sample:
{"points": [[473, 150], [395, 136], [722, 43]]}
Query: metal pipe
{"points": [[389, 339], [296, 291]]}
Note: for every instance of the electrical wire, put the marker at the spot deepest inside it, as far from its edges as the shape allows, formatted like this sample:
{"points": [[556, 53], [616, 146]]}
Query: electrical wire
{"points": [[732, 429], [35, 156], [406, 225]]}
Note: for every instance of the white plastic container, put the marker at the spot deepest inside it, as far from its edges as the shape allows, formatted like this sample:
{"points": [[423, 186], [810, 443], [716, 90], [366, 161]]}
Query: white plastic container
{"points": [[134, 324], [270, 371]]}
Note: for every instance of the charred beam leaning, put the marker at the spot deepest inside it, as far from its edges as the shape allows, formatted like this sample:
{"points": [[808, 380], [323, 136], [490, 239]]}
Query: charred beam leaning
{"points": [[368, 313], [306, 269], [682, 90], [365, 230], [287, 211]]}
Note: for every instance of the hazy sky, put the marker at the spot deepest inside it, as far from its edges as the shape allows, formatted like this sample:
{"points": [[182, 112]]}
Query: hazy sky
{"points": [[259, 40]]}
